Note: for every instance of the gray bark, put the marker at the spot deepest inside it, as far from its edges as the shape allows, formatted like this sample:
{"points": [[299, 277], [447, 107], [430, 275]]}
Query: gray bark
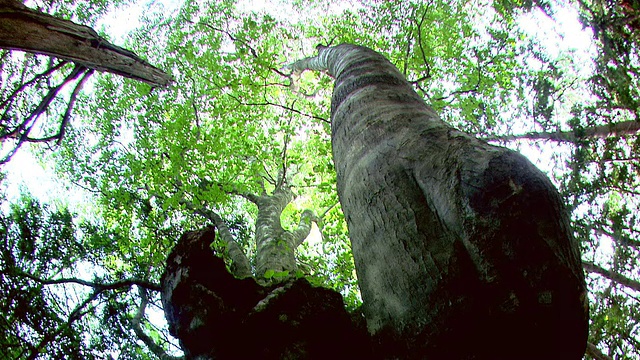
{"points": [[275, 245], [463, 250], [239, 263], [24, 29]]}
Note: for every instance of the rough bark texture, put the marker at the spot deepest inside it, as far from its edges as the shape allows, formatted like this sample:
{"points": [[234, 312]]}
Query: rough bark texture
{"points": [[463, 250], [24, 29], [215, 315]]}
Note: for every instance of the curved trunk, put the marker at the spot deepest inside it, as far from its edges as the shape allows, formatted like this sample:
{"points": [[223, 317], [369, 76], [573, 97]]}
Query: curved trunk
{"points": [[275, 250], [462, 249], [239, 266]]}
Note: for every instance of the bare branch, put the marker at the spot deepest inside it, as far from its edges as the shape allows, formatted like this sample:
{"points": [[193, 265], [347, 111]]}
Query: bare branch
{"points": [[27, 125], [268, 103], [233, 38], [67, 114], [623, 128], [28, 30], [22, 86], [613, 276], [422, 52], [97, 286]]}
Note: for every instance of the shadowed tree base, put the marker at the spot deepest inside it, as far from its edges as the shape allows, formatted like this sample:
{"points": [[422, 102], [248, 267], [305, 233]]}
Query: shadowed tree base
{"points": [[215, 315]]}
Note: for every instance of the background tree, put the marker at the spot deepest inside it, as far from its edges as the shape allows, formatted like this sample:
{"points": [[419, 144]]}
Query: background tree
{"points": [[142, 153]]}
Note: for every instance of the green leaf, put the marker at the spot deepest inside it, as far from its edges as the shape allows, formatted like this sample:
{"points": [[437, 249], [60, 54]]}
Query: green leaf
{"points": [[269, 274]]}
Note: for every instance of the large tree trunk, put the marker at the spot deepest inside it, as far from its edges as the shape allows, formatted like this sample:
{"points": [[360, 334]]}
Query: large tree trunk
{"points": [[463, 250], [28, 30]]}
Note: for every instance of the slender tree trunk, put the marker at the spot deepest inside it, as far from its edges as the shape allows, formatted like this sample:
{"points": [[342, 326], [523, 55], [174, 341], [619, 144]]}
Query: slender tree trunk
{"points": [[28, 30], [239, 263], [612, 275], [463, 250], [275, 249]]}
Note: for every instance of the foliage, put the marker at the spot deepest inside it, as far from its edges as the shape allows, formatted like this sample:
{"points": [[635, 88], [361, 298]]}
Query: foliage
{"points": [[235, 122], [44, 305]]}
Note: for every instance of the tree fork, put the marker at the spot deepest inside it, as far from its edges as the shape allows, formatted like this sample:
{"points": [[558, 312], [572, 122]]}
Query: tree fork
{"points": [[218, 316]]}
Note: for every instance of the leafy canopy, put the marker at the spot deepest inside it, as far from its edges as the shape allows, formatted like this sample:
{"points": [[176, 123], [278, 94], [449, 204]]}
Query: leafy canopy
{"points": [[235, 122]]}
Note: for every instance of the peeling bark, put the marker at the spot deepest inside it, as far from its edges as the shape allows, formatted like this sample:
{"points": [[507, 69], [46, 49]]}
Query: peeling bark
{"points": [[28, 30], [217, 316], [463, 250]]}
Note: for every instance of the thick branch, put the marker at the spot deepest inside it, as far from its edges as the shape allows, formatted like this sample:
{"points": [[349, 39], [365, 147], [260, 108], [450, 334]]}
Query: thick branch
{"points": [[620, 279], [240, 266], [229, 190], [619, 238], [304, 227], [319, 62], [97, 286], [28, 30]]}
